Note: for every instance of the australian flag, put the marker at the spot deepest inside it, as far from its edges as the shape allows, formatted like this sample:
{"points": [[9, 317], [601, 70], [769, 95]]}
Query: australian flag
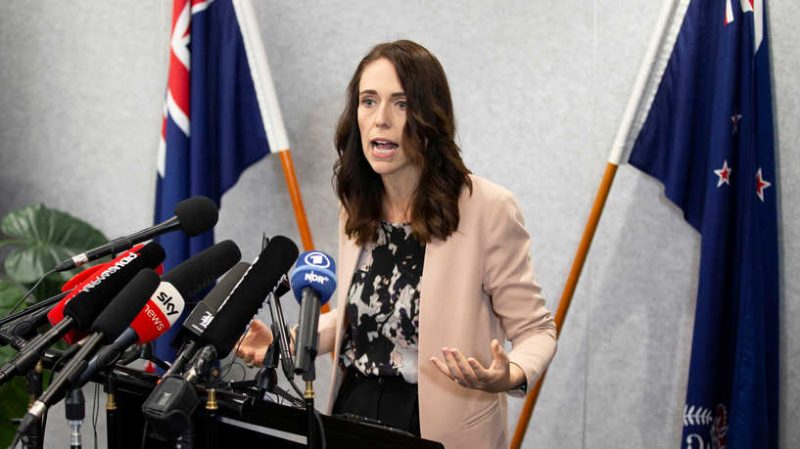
{"points": [[709, 138], [212, 128]]}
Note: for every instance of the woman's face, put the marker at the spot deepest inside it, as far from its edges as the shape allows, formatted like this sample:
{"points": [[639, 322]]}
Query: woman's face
{"points": [[382, 107]]}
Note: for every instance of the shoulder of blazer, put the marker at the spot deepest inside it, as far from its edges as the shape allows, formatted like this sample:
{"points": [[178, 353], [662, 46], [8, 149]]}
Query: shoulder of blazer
{"points": [[487, 194]]}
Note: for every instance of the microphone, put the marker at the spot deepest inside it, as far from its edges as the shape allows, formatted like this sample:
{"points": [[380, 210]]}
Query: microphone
{"points": [[81, 281], [167, 302], [80, 310], [108, 326], [172, 401], [193, 216], [205, 311], [263, 278], [195, 324], [313, 282]]}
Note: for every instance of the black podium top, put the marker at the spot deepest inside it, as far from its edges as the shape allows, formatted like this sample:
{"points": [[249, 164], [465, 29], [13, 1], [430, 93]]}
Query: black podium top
{"points": [[246, 422]]}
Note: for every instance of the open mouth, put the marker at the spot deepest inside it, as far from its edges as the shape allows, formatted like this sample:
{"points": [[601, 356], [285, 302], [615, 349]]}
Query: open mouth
{"points": [[383, 147], [383, 144]]}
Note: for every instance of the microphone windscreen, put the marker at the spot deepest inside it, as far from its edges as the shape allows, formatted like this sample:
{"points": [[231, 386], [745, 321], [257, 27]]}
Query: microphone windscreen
{"points": [[247, 297], [93, 296], [84, 275], [159, 313], [205, 310], [197, 215], [197, 272], [119, 313], [315, 270]]}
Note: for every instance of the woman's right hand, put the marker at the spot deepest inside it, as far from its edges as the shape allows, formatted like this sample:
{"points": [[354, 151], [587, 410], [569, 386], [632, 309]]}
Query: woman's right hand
{"points": [[253, 345]]}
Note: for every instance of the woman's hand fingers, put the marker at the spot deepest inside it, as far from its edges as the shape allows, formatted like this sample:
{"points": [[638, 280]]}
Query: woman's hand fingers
{"points": [[499, 356], [452, 365], [441, 366], [252, 346], [465, 369], [470, 373]]}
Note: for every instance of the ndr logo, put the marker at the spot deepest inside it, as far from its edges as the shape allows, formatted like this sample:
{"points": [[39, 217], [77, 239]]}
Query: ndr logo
{"points": [[317, 259], [314, 277]]}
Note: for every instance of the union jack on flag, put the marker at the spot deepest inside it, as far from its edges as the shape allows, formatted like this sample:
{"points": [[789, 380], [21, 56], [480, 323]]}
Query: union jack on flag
{"points": [[709, 138]]}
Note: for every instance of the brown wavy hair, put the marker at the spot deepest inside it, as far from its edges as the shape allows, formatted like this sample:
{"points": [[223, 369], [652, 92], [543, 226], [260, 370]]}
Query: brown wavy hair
{"points": [[430, 133]]}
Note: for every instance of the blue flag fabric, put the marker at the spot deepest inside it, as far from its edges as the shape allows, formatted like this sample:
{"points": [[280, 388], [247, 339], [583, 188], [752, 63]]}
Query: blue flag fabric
{"points": [[709, 139], [212, 128]]}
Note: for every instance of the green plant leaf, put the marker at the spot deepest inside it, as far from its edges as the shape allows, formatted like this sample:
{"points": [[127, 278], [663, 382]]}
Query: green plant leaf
{"points": [[10, 293], [13, 405], [41, 238]]}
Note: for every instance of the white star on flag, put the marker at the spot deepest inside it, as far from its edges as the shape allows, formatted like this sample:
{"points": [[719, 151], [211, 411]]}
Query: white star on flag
{"points": [[724, 174], [761, 184]]}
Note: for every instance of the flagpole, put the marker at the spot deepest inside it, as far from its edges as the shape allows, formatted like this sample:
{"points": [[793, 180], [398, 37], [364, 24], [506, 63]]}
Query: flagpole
{"points": [[643, 89], [271, 111], [297, 200]]}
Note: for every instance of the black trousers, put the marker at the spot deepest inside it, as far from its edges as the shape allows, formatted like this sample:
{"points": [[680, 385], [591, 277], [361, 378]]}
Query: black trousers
{"points": [[388, 399]]}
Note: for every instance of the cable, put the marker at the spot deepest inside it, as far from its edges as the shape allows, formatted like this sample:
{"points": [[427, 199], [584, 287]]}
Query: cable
{"points": [[321, 428], [144, 435], [95, 411], [295, 388], [30, 291]]}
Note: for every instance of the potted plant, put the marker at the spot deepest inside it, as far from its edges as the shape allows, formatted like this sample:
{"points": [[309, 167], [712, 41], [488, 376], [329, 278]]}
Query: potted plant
{"points": [[34, 240]]}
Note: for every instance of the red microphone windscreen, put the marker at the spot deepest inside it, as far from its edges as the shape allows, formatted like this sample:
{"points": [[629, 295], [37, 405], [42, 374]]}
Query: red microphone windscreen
{"points": [[159, 314], [91, 275]]}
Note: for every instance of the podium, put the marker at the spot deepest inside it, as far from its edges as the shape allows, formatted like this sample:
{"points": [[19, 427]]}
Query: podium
{"points": [[242, 422]]}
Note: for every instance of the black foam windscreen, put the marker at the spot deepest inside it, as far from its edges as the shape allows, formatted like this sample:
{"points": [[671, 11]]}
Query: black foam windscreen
{"points": [[197, 215], [198, 319], [87, 304], [119, 313], [196, 273], [245, 300]]}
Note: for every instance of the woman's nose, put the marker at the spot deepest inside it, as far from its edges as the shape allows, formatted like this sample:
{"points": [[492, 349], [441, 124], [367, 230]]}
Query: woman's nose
{"points": [[382, 117]]}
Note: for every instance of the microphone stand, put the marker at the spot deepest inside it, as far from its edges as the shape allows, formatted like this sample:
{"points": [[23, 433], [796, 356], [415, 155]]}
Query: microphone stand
{"points": [[34, 437], [279, 322], [13, 328], [33, 308], [212, 408], [309, 376], [112, 432], [75, 411]]}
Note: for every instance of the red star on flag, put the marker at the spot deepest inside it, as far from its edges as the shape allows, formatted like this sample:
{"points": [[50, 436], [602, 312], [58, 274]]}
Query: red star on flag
{"points": [[761, 184], [724, 174]]}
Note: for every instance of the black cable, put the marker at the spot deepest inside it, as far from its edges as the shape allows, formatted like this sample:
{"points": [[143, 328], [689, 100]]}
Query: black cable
{"points": [[144, 435], [321, 428], [69, 352], [95, 412], [30, 291], [295, 388], [231, 365]]}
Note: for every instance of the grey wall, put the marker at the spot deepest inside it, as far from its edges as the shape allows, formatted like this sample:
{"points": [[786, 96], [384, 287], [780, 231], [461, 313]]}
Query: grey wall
{"points": [[539, 88]]}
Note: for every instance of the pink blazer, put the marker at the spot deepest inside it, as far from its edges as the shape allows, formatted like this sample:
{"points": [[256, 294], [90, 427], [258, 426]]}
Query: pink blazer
{"points": [[477, 285]]}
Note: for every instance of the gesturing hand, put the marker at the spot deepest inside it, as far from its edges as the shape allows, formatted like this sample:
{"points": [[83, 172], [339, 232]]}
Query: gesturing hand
{"points": [[501, 375], [252, 346]]}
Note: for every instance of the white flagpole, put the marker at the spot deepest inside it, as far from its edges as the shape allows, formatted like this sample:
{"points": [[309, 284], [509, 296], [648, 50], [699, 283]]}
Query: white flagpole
{"points": [[270, 110]]}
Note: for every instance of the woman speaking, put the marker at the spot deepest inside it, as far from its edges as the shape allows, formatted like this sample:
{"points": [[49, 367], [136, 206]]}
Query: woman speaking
{"points": [[434, 267]]}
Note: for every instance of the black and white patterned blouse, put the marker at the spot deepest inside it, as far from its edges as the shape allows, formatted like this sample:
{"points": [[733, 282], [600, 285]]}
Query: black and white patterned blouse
{"points": [[383, 306]]}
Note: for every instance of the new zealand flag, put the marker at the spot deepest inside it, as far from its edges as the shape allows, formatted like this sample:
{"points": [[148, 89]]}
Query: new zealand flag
{"points": [[212, 128], [709, 138]]}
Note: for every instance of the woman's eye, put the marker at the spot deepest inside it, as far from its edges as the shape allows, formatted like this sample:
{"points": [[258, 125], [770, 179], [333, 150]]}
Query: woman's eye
{"points": [[367, 101], [402, 105]]}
